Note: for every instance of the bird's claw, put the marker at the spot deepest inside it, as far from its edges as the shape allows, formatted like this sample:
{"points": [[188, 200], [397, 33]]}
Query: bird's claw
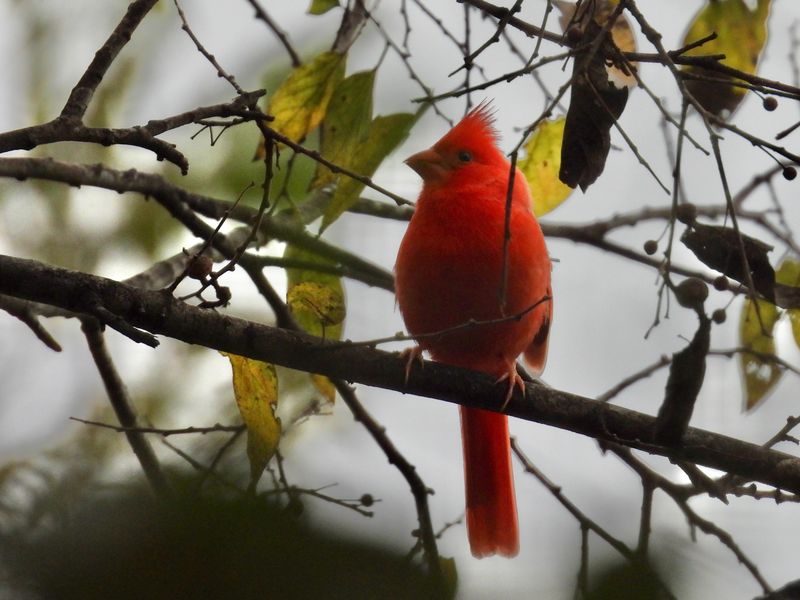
{"points": [[410, 356], [514, 381]]}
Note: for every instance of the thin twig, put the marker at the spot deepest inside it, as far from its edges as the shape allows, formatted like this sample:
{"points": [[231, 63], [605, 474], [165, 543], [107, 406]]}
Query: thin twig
{"points": [[419, 490], [645, 525], [161, 431], [470, 57], [631, 379], [679, 497], [82, 93], [557, 492], [279, 33], [466, 325], [26, 312], [123, 408], [210, 57]]}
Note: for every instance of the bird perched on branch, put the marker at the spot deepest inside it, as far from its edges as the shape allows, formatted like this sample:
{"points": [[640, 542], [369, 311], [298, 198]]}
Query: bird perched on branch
{"points": [[473, 287]]}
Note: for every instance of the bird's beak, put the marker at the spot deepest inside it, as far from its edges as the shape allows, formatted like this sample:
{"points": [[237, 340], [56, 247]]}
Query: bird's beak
{"points": [[429, 164]]}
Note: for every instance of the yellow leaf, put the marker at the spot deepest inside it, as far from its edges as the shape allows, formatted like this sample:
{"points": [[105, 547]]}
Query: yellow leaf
{"points": [[741, 34], [541, 165], [255, 386], [319, 7], [346, 123], [385, 134], [317, 307], [794, 319], [760, 376], [320, 310], [300, 103], [325, 387], [789, 274], [316, 300]]}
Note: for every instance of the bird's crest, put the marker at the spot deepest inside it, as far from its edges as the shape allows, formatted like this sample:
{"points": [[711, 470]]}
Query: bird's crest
{"points": [[475, 129]]}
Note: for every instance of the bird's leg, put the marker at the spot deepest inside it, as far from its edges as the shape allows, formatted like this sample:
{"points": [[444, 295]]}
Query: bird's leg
{"points": [[412, 355], [514, 381]]}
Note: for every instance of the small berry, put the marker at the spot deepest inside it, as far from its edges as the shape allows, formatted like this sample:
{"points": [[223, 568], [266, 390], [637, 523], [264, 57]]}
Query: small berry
{"points": [[686, 213], [691, 292], [574, 35], [199, 267], [650, 247], [224, 294], [367, 500], [721, 283], [789, 173], [770, 103], [719, 316]]}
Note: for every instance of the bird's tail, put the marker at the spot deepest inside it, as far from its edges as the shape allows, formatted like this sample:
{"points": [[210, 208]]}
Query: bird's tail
{"points": [[491, 506]]}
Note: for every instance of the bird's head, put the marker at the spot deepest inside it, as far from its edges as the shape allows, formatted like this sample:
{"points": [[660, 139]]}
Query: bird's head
{"points": [[472, 142]]}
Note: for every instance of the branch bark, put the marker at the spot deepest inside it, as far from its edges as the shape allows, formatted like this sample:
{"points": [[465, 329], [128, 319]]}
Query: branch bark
{"points": [[160, 313]]}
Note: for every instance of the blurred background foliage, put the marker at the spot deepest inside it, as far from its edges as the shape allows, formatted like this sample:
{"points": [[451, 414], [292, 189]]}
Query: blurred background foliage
{"points": [[123, 544]]}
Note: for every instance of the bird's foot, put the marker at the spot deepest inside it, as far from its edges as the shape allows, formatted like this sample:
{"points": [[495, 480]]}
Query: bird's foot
{"points": [[514, 381], [410, 356]]}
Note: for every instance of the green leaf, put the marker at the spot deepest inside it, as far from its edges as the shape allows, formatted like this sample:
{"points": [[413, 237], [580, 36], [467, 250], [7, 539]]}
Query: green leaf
{"points": [[385, 134], [300, 103], [255, 386], [449, 574], [316, 300], [760, 376], [346, 123], [541, 165], [741, 34], [319, 7], [789, 274]]}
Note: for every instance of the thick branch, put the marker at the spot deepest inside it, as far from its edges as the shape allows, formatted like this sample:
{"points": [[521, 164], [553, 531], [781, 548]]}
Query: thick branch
{"points": [[70, 130], [279, 227], [160, 313]]}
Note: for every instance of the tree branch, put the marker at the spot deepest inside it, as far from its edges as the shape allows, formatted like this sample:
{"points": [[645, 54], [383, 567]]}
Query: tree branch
{"points": [[82, 93], [279, 33], [155, 186], [161, 314], [70, 130], [678, 57], [120, 402]]}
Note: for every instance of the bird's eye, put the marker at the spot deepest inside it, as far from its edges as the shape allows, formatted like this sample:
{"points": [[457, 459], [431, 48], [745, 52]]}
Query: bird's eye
{"points": [[464, 156]]}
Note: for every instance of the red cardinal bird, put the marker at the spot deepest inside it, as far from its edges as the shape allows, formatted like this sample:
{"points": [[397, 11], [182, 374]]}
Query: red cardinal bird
{"points": [[449, 271]]}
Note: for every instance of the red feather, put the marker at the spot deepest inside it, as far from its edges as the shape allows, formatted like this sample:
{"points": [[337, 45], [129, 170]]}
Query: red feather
{"points": [[449, 272]]}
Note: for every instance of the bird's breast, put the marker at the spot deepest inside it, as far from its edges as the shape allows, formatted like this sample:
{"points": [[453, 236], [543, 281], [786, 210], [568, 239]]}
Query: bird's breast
{"points": [[449, 273]]}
